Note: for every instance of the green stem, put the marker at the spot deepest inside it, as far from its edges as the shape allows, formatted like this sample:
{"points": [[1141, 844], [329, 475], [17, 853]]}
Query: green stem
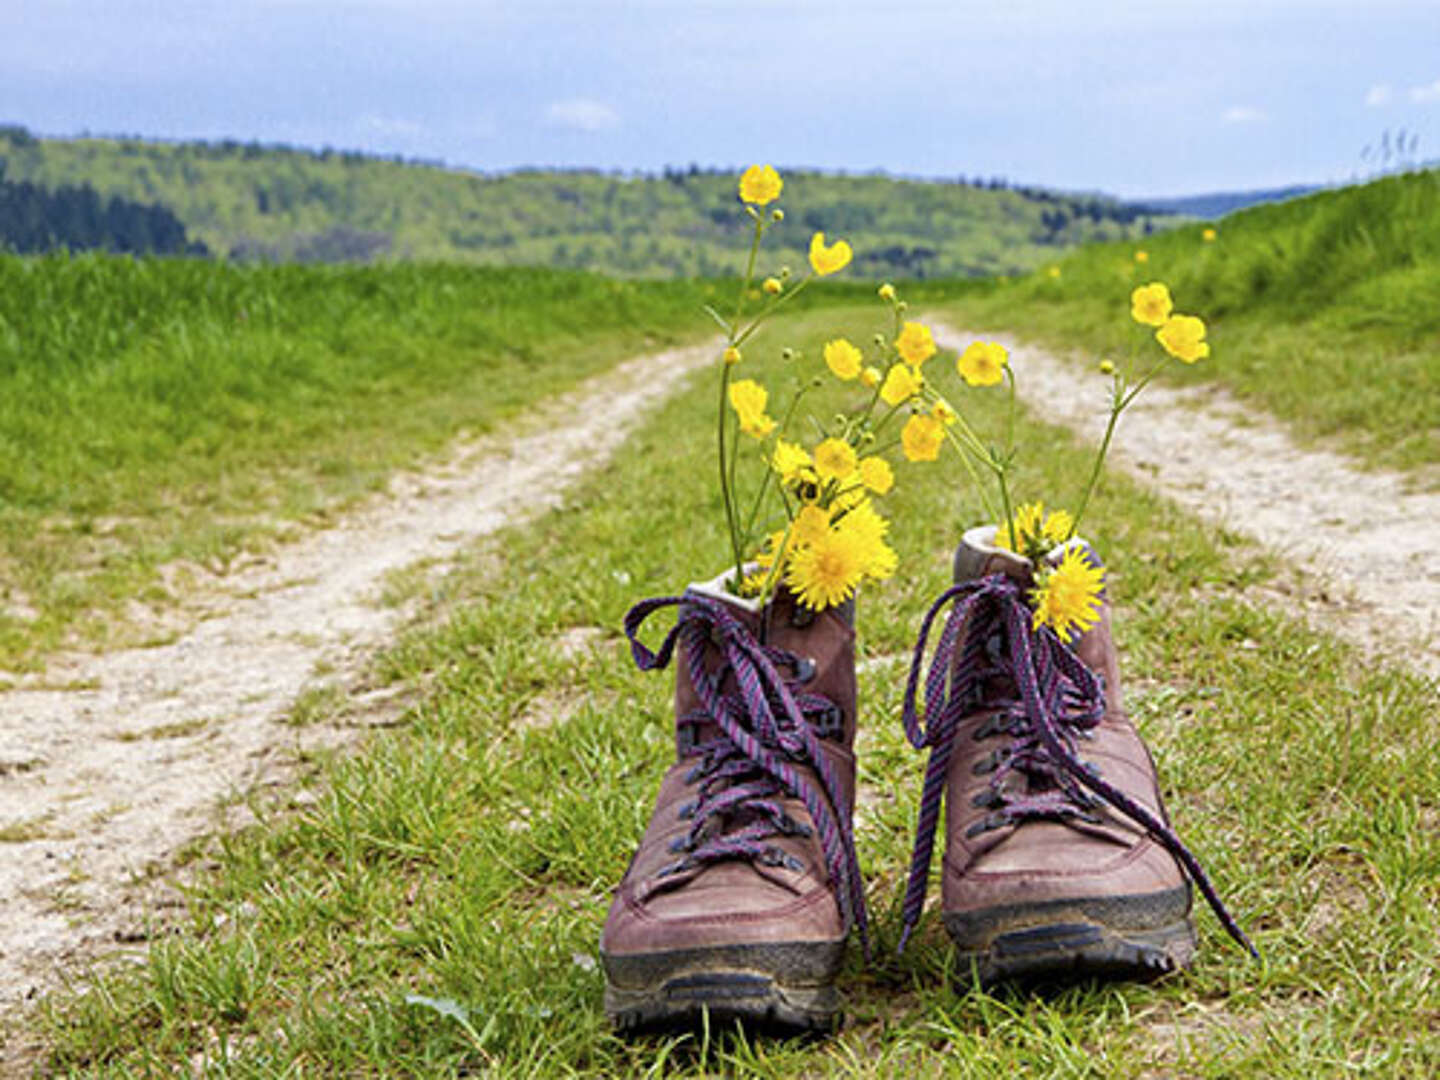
{"points": [[724, 477]]}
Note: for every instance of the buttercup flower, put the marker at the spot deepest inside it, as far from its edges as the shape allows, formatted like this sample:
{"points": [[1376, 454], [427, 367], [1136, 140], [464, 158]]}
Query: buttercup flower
{"points": [[1151, 304], [843, 359], [921, 437], [870, 378], [1142, 256], [1208, 236], [983, 363], [901, 384], [760, 184], [748, 398], [828, 260], [834, 459], [1052, 271], [771, 286], [875, 474], [1184, 338], [944, 412], [915, 344], [1067, 598]]}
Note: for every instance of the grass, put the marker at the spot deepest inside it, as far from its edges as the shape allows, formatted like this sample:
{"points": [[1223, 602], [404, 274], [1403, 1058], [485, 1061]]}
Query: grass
{"points": [[434, 906], [1322, 312]]}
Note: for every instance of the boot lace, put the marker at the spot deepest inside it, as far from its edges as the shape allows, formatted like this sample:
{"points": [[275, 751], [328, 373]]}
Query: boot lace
{"points": [[764, 735], [1054, 699]]}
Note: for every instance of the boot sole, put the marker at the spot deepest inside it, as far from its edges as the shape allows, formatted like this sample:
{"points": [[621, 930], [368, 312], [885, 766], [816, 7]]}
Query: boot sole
{"points": [[1113, 937], [786, 988]]}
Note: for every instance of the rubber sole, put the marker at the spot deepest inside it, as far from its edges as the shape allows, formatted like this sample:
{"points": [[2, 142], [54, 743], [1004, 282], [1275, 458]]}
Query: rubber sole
{"points": [[785, 988], [1112, 937]]}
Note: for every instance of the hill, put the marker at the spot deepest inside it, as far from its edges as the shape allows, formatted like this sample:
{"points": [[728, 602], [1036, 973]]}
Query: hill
{"points": [[1217, 204], [253, 201]]}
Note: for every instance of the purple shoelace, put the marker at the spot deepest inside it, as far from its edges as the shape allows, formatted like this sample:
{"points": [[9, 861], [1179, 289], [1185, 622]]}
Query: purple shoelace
{"points": [[1060, 698], [761, 741]]}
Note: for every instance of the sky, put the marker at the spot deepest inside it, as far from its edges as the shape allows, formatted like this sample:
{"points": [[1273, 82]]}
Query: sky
{"points": [[1125, 97]]}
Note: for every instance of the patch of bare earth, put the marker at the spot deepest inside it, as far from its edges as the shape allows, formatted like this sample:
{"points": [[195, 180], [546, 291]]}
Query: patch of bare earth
{"points": [[113, 763], [1365, 547]]}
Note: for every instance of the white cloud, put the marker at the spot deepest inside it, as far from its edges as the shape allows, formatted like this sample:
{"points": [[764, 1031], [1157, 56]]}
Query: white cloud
{"points": [[1426, 95], [1241, 114], [1379, 95], [582, 114]]}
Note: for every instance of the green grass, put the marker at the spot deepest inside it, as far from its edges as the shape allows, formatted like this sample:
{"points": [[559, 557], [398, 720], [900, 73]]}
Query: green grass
{"points": [[435, 910], [1323, 311]]}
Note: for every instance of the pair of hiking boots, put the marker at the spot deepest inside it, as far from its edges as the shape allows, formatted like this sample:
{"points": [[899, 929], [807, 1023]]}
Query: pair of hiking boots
{"points": [[1058, 857]]}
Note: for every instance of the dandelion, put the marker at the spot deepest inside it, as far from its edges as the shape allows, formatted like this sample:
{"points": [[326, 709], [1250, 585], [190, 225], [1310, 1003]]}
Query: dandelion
{"points": [[921, 437], [1184, 338], [843, 359], [810, 525], [1035, 531], [1067, 598], [731, 355], [983, 363], [825, 573], [1142, 257], [1151, 304], [870, 378], [760, 185], [915, 344], [1208, 236], [789, 460], [867, 530], [901, 384], [748, 398], [834, 459], [875, 474], [827, 260]]}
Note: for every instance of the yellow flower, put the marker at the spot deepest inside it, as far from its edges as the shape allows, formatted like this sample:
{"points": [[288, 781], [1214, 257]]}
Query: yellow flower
{"points": [[748, 398], [827, 260], [1142, 256], [1208, 236], [1184, 338], [1032, 526], [867, 530], [789, 460], [752, 584], [1058, 526], [843, 359], [1052, 271], [901, 384], [810, 526], [731, 355], [771, 286], [915, 344], [875, 474], [944, 412], [1151, 304], [826, 573], [760, 185], [1068, 597], [886, 291], [983, 363], [921, 438], [1107, 367], [834, 459], [870, 378]]}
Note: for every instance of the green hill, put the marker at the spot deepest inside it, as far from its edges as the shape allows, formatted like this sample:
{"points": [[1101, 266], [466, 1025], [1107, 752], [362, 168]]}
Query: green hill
{"points": [[257, 201]]}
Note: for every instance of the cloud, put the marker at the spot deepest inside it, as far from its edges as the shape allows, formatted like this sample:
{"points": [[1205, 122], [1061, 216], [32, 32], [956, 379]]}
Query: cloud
{"points": [[1426, 95], [1241, 114], [582, 114], [1379, 95]]}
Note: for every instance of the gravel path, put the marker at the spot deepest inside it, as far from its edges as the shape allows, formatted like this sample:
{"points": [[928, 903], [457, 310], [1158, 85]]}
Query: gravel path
{"points": [[105, 779], [1369, 550]]}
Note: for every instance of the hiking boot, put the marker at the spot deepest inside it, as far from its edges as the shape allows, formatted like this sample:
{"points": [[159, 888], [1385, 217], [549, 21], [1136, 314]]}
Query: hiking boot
{"points": [[1059, 858], [744, 888]]}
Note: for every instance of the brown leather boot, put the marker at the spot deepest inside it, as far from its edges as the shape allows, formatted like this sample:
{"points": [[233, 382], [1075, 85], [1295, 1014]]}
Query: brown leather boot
{"points": [[745, 886], [1059, 858]]}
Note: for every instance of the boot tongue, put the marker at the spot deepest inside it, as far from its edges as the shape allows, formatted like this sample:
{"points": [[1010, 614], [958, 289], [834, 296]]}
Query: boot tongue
{"points": [[978, 556]]}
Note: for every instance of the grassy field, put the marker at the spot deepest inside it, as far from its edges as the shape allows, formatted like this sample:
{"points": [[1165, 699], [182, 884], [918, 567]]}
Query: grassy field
{"points": [[162, 410], [1322, 311], [434, 909]]}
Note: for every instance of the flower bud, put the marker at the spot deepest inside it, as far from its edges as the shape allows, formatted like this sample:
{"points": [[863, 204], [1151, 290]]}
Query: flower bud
{"points": [[777, 214], [887, 291], [784, 273], [1107, 367], [787, 353], [870, 378], [771, 286], [879, 340], [732, 355], [902, 306]]}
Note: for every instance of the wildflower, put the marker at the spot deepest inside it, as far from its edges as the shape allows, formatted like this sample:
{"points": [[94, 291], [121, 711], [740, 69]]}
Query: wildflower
{"points": [[1184, 338], [751, 585], [1142, 257], [789, 460], [826, 572], [827, 260], [1053, 272], [887, 292], [915, 344], [777, 215], [875, 474], [760, 184], [1035, 532], [1208, 236], [771, 286], [731, 355], [870, 378], [810, 525], [921, 438], [748, 398], [843, 359], [943, 411], [867, 530], [1151, 304], [1068, 597], [1107, 367], [834, 459], [983, 363], [901, 384]]}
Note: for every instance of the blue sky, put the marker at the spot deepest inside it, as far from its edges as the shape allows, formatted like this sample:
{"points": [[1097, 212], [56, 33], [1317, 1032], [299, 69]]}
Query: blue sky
{"points": [[1131, 98]]}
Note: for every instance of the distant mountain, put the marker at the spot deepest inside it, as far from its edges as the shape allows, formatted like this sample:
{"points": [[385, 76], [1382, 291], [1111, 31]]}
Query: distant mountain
{"points": [[1220, 203], [250, 201]]}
